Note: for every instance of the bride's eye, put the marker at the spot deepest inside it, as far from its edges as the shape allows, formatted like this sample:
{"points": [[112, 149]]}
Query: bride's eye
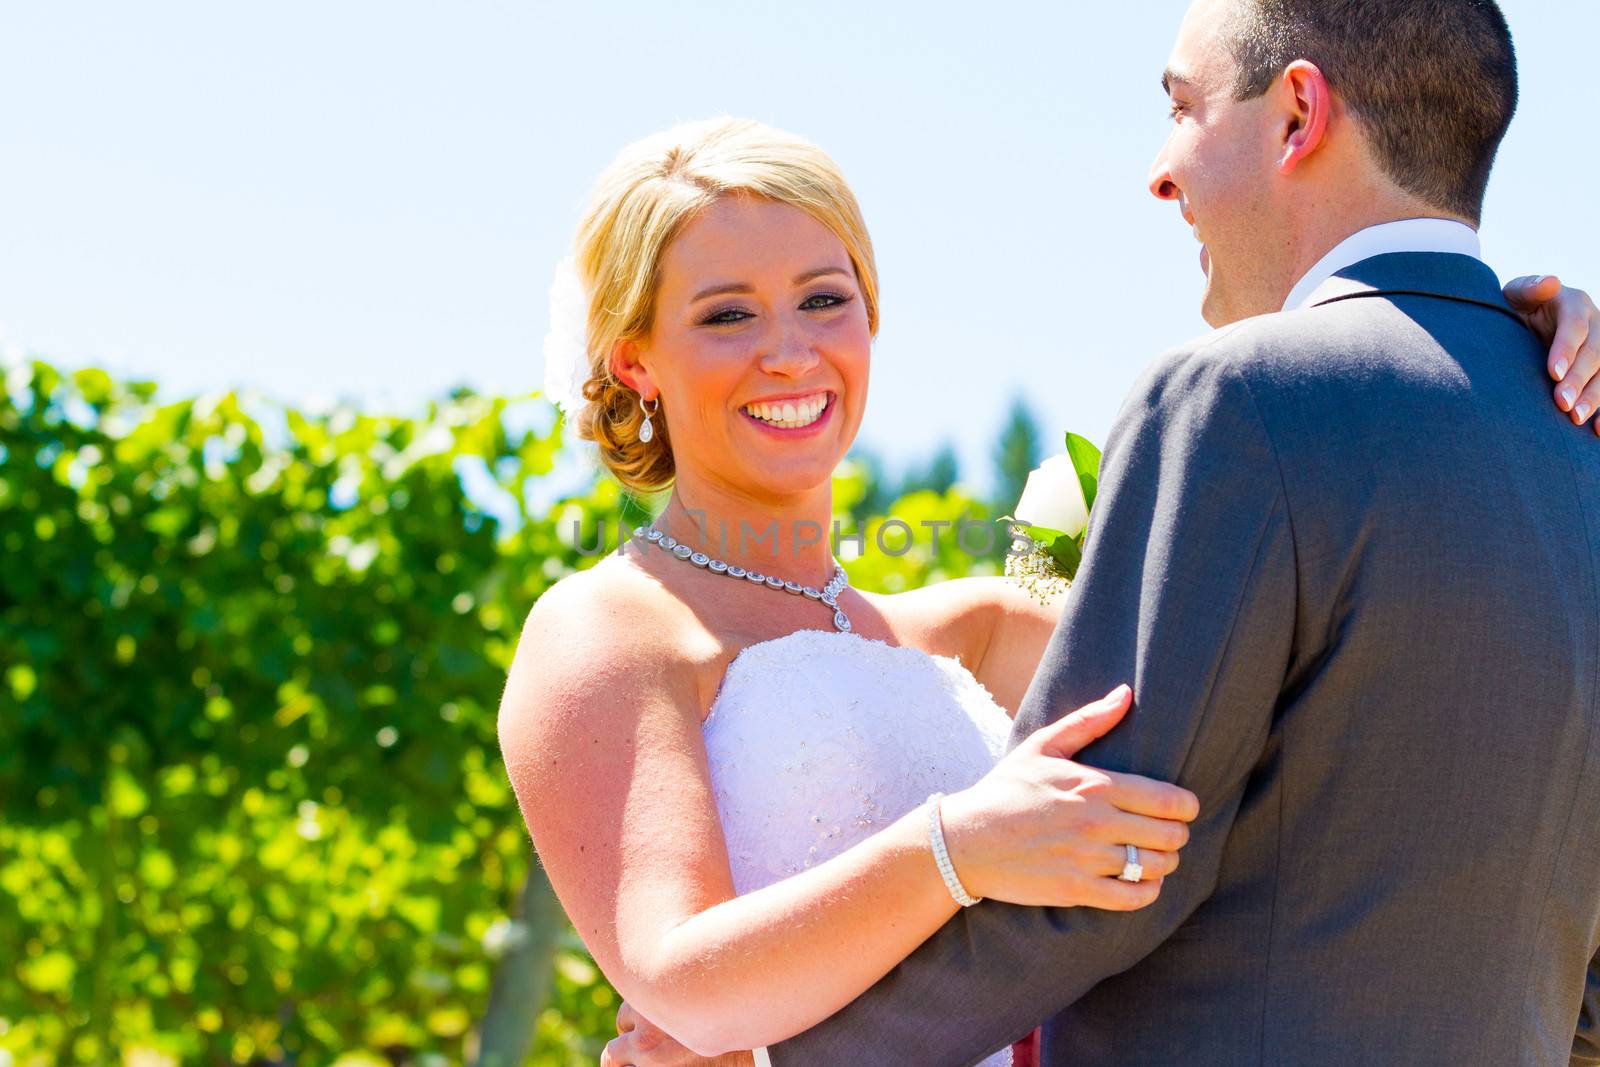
{"points": [[725, 317], [823, 301]]}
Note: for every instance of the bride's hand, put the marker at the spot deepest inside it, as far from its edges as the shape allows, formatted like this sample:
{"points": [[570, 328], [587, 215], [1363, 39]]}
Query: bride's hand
{"points": [[1568, 321], [640, 1043], [1041, 829]]}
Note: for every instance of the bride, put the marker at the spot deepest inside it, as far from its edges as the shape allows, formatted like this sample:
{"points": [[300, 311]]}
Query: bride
{"points": [[730, 762]]}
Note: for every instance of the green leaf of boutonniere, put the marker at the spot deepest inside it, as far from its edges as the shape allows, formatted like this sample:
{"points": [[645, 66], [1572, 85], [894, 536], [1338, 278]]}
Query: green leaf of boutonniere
{"points": [[1086, 461]]}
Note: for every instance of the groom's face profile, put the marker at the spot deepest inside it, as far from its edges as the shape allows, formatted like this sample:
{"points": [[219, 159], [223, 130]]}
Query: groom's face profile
{"points": [[1216, 165], [1296, 123]]}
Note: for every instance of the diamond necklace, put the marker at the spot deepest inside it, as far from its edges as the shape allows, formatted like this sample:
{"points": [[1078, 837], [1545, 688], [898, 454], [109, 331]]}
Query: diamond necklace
{"points": [[828, 594]]}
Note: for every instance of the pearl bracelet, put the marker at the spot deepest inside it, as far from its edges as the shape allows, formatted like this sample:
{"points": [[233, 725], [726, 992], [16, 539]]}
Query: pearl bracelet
{"points": [[941, 855]]}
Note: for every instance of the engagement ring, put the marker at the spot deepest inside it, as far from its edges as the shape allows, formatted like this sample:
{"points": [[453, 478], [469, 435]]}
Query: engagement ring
{"points": [[1132, 871]]}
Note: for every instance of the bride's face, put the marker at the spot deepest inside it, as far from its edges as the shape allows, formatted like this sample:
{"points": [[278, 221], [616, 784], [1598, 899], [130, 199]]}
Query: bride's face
{"points": [[760, 348]]}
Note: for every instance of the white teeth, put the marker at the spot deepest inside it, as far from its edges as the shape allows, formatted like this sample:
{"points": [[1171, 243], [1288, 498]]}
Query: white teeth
{"points": [[791, 414]]}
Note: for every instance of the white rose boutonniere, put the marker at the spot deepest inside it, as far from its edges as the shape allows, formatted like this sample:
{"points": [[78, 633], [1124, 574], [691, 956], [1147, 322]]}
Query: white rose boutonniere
{"points": [[1053, 498], [1052, 518]]}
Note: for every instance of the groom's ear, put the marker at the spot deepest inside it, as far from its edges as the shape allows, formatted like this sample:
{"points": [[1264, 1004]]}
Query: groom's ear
{"points": [[1308, 104]]}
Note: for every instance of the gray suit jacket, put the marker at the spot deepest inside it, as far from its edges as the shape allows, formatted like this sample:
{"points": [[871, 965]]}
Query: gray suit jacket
{"points": [[1349, 557]]}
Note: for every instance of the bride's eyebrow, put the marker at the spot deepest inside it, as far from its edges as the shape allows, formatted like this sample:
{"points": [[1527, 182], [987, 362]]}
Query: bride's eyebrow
{"points": [[801, 279], [720, 290], [742, 287]]}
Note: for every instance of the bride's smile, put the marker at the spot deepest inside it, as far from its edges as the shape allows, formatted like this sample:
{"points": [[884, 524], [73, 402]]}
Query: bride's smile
{"points": [[789, 413]]}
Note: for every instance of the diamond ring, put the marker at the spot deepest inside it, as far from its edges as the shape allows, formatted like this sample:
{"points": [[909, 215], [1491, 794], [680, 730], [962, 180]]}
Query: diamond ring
{"points": [[1132, 871]]}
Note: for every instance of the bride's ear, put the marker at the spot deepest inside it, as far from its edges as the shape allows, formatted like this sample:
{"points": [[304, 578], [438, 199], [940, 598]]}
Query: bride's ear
{"points": [[630, 369]]}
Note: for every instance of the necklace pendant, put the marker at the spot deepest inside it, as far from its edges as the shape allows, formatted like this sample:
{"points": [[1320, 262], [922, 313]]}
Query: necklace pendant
{"points": [[828, 594]]}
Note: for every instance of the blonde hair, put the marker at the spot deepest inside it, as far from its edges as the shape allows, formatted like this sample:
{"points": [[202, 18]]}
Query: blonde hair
{"points": [[640, 203]]}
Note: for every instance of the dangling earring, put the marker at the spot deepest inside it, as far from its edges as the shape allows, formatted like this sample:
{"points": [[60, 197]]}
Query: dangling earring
{"points": [[646, 430]]}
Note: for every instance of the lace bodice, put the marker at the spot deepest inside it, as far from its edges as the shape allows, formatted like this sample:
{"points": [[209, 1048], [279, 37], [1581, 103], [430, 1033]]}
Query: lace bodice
{"points": [[818, 739]]}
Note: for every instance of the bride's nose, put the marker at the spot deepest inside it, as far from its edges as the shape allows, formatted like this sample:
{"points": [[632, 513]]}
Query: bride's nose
{"points": [[788, 350]]}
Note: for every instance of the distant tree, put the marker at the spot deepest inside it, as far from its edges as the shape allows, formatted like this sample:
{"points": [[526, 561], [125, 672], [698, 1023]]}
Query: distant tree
{"points": [[938, 474], [1016, 454], [872, 483]]}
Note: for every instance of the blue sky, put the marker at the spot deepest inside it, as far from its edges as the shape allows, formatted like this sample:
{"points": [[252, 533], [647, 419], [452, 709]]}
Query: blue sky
{"points": [[367, 200]]}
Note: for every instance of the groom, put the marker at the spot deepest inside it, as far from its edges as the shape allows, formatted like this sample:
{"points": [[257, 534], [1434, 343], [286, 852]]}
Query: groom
{"points": [[1350, 561]]}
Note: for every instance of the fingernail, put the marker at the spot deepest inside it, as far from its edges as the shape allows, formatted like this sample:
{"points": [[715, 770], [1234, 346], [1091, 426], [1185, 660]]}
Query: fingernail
{"points": [[1583, 412], [1561, 370], [1568, 395], [1539, 280]]}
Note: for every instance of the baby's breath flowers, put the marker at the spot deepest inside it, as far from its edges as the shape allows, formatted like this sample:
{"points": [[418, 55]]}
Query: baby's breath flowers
{"points": [[1037, 572]]}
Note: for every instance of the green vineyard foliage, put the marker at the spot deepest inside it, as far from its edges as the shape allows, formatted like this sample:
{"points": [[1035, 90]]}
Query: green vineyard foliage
{"points": [[251, 803]]}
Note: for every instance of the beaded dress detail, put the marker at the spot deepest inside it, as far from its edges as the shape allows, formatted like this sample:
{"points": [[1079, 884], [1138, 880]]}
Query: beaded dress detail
{"points": [[818, 739]]}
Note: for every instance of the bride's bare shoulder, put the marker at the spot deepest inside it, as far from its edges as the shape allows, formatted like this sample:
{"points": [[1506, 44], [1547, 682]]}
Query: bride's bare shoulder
{"points": [[993, 625], [597, 631], [967, 611], [612, 610]]}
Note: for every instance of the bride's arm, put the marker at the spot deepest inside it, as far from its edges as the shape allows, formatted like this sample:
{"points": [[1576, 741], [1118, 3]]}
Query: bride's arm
{"points": [[601, 734], [600, 728], [602, 739]]}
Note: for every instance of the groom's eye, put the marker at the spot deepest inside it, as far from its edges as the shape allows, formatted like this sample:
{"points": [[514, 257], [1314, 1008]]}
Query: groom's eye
{"points": [[1175, 110]]}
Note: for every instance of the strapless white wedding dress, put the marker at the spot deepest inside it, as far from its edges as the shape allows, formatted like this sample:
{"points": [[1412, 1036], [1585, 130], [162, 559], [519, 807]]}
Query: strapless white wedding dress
{"points": [[818, 739]]}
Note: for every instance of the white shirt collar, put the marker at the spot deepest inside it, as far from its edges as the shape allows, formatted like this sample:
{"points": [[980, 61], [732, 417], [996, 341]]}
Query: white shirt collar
{"points": [[1407, 235]]}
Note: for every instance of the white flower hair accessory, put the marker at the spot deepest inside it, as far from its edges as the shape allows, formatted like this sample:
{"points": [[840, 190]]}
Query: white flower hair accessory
{"points": [[566, 346]]}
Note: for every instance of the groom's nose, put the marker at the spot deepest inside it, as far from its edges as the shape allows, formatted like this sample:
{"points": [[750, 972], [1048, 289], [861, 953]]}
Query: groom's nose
{"points": [[1162, 187]]}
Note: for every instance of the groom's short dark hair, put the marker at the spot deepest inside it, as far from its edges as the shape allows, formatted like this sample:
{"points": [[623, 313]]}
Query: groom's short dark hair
{"points": [[1433, 82]]}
